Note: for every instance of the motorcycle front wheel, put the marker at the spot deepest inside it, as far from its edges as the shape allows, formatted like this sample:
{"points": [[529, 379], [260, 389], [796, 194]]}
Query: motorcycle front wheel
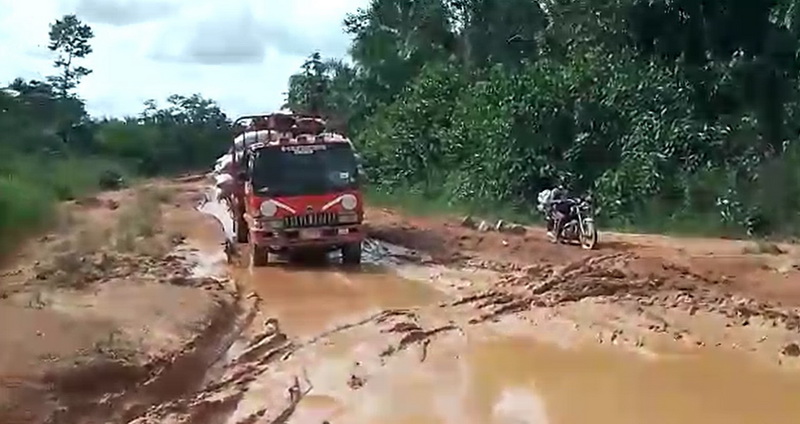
{"points": [[588, 236]]}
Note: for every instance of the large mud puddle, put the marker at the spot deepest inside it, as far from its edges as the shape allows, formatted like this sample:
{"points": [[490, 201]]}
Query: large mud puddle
{"points": [[512, 380], [432, 366], [600, 386], [307, 300]]}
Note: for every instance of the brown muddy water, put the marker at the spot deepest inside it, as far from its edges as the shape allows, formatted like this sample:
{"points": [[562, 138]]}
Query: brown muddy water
{"points": [[480, 376], [308, 300], [503, 380]]}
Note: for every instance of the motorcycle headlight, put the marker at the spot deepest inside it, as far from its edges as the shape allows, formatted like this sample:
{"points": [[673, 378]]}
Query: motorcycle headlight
{"points": [[268, 208]]}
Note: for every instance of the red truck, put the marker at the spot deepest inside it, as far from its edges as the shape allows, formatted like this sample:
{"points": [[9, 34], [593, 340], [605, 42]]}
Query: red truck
{"points": [[297, 187]]}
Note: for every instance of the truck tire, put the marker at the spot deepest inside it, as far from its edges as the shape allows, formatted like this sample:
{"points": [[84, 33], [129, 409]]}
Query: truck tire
{"points": [[259, 255], [351, 254]]}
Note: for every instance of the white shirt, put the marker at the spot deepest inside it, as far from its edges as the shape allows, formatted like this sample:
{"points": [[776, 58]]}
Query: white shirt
{"points": [[223, 162], [221, 180], [545, 197]]}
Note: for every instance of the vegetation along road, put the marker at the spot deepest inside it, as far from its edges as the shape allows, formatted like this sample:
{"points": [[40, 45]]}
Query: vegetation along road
{"points": [[119, 304]]}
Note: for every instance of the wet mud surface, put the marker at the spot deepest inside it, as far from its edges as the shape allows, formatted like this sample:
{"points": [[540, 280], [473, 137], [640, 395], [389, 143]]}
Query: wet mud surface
{"points": [[107, 314], [445, 324]]}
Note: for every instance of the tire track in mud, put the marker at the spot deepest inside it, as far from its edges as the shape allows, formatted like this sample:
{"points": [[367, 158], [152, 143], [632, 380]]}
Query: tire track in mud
{"points": [[115, 388], [611, 278], [219, 399]]}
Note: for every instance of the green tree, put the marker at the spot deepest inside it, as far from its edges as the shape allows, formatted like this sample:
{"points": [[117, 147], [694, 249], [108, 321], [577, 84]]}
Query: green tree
{"points": [[308, 89], [499, 31], [70, 40], [190, 132], [328, 88], [394, 39], [672, 112]]}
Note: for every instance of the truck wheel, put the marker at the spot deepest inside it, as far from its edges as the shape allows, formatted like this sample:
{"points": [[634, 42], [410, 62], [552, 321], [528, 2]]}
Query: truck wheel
{"points": [[351, 254], [259, 255], [240, 230]]}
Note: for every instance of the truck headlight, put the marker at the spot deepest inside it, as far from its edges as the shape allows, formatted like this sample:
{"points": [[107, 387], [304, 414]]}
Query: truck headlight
{"points": [[349, 202], [268, 208]]}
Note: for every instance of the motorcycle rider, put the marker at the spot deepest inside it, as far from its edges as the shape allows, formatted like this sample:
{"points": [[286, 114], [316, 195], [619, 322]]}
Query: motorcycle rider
{"points": [[557, 208], [544, 198], [562, 210]]}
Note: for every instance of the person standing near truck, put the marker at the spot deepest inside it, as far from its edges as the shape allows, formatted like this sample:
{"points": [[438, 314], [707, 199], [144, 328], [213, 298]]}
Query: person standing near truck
{"points": [[223, 180]]}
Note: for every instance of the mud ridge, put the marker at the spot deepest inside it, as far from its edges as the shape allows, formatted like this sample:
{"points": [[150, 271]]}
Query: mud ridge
{"points": [[218, 399], [185, 379], [379, 317], [133, 372], [608, 277]]}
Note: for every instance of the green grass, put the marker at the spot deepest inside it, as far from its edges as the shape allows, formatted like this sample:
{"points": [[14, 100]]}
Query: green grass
{"points": [[67, 178], [24, 207], [414, 202], [30, 187], [417, 203], [680, 226]]}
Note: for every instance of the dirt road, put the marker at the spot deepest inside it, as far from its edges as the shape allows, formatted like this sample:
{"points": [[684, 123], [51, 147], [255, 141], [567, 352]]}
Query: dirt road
{"points": [[443, 324]]}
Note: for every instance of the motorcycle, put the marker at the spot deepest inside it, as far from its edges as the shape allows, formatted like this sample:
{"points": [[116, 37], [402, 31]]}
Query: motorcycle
{"points": [[580, 227]]}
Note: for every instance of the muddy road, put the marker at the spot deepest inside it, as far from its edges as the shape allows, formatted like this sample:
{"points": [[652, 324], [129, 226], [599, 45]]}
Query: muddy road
{"points": [[130, 312]]}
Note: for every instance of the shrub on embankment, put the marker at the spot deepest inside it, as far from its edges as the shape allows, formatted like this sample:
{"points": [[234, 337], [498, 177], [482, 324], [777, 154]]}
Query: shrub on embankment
{"points": [[64, 155], [31, 185]]}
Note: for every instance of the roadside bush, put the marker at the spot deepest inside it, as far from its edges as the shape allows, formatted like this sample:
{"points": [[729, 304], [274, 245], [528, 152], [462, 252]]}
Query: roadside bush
{"points": [[406, 142], [30, 186], [23, 206], [50, 150], [67, 178]]}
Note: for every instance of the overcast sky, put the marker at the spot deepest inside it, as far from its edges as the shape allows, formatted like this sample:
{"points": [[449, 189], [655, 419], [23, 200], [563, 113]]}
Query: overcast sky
{"points": [[237, 52]]}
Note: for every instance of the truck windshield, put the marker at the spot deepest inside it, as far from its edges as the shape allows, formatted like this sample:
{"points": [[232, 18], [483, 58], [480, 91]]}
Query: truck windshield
{"points": [[304, 169]]}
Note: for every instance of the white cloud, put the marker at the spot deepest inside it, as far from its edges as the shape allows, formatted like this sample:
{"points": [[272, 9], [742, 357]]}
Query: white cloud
{"points": [[125, 12], [238, 52]]}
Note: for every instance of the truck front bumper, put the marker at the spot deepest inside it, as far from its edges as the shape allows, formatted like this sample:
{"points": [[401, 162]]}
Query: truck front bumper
{"points": [[314, 237]]}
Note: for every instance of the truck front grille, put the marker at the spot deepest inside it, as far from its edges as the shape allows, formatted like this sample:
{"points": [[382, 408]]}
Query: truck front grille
{"points": [[310, 220]]}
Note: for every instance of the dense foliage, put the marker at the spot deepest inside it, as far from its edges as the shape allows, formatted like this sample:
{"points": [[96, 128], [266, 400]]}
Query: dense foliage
{"points": [[51, 149], [673, 113]]}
